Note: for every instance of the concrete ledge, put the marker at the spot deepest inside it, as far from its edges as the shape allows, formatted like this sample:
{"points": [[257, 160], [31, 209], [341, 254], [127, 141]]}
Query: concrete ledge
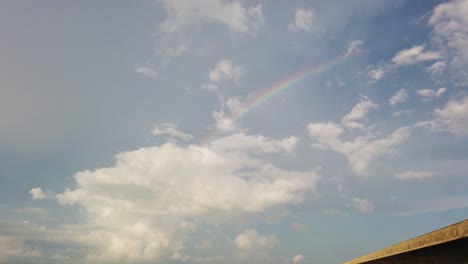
{"points": [[457, 231]]}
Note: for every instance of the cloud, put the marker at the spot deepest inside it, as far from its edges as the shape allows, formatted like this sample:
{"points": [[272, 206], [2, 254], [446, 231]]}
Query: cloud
{"points": [[147, 70], [362, 150], [38, 194], [376, 73], [450, 30], [223, 122], [250, 240], [354, 47], [437, 69], [145, 206], [400, 97], [303, 20], [225, 70], [297, 259], [428, 94], [411, 175], [363, 205], [233, 14], [452, 118], [414, 55], [358, 113], [170, 129]]}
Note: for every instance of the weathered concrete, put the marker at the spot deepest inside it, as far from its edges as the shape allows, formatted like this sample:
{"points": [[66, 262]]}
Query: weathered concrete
{"points": [[448, 245]]}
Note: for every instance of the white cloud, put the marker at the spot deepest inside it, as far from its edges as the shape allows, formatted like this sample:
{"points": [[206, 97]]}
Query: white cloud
{"points": [[38, 194], [452, 118], [437, 69], [360, 152], [400, 97], [147, 70], [297, 259], [411, 175], [354, 47], [376, 73], [358, 113], [145, 206], [363, 205], [250, 240], [223, 122], [225, 70], [170, 129], [450, 29], [428, 94], [415, 55], [233, 14], [363, 150], [303, 20]]}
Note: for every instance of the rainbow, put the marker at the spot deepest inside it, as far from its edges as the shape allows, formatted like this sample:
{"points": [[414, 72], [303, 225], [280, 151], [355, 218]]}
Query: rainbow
{"points": [[277, 88]]}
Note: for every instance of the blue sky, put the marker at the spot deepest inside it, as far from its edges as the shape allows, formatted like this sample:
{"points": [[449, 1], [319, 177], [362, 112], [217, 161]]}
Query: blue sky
{"points": [[104, 108]]}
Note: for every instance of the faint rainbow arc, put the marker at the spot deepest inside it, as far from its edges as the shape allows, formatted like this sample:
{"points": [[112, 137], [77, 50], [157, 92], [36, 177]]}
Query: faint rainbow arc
{"points": [[277, 88]]}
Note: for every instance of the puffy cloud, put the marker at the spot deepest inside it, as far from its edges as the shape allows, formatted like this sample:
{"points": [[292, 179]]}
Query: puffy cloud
{"points": [[233, 14], [437, 69], [144, 207], [250, 240], [363, 205], [376, 73], [225, 70], [358, 113], [354, 47], [410, 175], [303, 20], [38, 194], [428, 94], [450, 29], [361, 151], [147, 70], [297, 259], [400, 97], [223, 122], [170, 129], [415, 55], [452, 118]]}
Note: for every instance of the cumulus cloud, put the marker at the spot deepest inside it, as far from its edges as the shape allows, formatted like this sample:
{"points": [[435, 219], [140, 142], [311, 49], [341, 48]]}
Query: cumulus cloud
{"points": [[414, 55], [362, 150], [297, 259], [452, 118], [250, 240], [354, 47], [359, 113], [428, 94], [400, 97], [223, 122], [225, 70], [376, 73], [411, 175], [170, 129], [303, 20], [233, 14], [363, 205], [450, 29], [38, 194], [437, 69], [147, 70], [144, 207]]}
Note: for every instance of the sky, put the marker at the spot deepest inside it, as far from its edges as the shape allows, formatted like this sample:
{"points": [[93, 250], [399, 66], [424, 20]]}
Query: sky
{"points": [[229, 131]]}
